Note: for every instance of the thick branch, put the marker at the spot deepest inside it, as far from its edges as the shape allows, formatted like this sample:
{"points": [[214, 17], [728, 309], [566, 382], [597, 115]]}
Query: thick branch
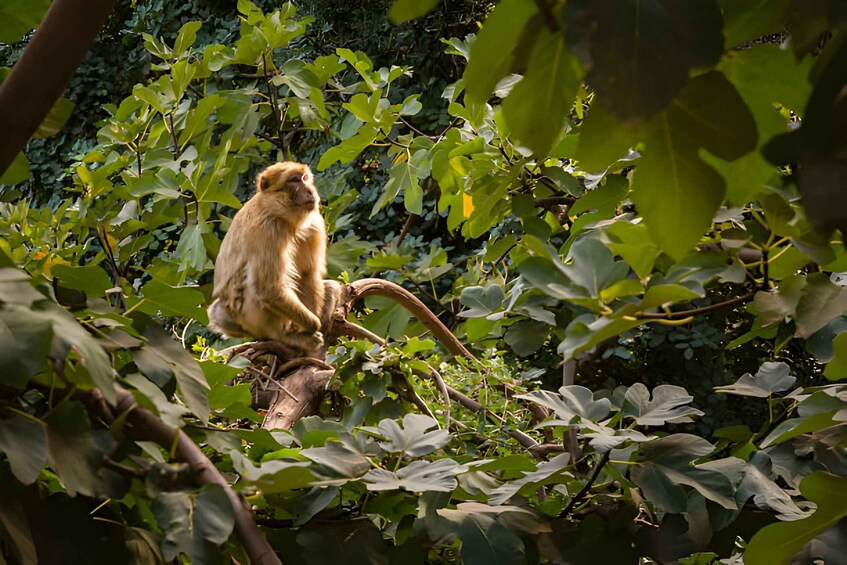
{"points": [[44, 69], [143, 425], [377, 287]]}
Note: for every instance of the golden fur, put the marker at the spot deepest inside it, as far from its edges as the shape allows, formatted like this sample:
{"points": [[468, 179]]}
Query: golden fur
{"points": [[270, 269]]}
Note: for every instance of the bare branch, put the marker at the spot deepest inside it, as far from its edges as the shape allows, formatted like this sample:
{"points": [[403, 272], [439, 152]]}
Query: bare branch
{"points": [[377, 287]]}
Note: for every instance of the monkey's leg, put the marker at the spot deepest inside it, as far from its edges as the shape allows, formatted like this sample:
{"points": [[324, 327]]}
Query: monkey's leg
{"points": [[290, 308], [221, 321]]}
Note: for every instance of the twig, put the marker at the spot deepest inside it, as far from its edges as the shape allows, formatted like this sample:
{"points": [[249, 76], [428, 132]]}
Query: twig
{"points": [[453, 123], [353, 330], [283, 389], [696, 311], [416, 130], [406, 226], [547, 203], [276, 142], [301, 362], [408, 392], [110, 258], [176, 151], [442, 388], [578, 496]]}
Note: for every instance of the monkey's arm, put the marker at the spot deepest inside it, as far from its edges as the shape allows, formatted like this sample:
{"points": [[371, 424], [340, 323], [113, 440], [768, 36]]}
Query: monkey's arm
{"points": [[289, 306], [310, 262]]}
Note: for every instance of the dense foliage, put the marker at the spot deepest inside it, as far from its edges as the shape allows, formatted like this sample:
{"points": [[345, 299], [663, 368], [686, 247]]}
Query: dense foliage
{"points": [[649, 195]]}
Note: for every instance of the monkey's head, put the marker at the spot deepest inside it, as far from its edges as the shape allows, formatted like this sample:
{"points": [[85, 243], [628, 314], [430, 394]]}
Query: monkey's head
{"points": [[292, 182]]}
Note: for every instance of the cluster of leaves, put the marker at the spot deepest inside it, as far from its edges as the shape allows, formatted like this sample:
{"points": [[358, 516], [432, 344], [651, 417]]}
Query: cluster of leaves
{"points": [[596, 209]]}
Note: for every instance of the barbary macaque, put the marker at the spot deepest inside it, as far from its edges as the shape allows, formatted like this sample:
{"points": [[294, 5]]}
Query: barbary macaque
{"points": [[270, 269]]}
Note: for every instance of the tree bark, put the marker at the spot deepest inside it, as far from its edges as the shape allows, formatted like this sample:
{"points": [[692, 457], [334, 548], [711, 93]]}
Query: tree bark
{"points": [[44, 69]]}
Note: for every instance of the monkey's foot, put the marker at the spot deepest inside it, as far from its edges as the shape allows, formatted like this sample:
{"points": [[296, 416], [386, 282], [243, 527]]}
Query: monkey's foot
{"points": [[308, 341]]}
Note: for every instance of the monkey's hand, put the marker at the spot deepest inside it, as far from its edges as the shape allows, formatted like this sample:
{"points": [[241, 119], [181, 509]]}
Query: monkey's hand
{"points": [[306, 340]]}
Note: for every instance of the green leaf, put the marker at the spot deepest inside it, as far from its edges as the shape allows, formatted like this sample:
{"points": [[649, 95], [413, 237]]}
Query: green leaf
{"points": [[55, 119], [348, 457], [298, 77], [76, 453], [743, 21], [418, 476], [778, 543], [572, 401], [836, 369], [481, 301], [526, 336], [24, 345], [799, 426], [389, 317], [668, 405], [536, 109], [587, 331], [767, 495], [17, 17], [632, 242], [166, 300], [191, 250], [194, 523], [89, 278], [764, 76], [662, 294], [822, 301], [638, 54], [676, 192], [667, 466], [164, 358], [348, 149], [547, 472], [18, 170], [816, 148], [405, 10], [491, 534], [603, 139], [493, 54], [770, 378], [412, 439], [186, 37], [24, 441], [275, 475]]}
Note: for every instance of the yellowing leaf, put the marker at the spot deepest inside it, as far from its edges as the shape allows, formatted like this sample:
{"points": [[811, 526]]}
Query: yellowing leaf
{"points": [[467, 205]]}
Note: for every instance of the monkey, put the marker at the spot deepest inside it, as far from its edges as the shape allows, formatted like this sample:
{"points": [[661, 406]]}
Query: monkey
{"points": [[268, 280]]}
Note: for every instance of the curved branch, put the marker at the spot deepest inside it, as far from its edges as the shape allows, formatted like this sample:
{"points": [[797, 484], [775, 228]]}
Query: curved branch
{"points": [[469, 403], [44, 69], [143, 425], [376, 287]]}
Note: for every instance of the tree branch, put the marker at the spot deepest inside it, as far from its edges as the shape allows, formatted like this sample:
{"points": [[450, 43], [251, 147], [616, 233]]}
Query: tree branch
{"points": [[578, 496], [697, 311], [143, 425], [376, 287], [45, 68], [469, 403]]}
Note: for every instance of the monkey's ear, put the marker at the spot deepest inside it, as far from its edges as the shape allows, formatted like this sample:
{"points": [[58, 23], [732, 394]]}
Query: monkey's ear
{"points": [[262, 181]]}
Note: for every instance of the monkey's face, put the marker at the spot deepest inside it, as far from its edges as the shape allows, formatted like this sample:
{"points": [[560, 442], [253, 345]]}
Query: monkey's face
{"points": [[292, 182]]}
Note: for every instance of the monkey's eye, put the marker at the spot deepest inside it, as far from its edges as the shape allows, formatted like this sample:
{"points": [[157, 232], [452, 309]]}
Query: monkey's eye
{"points": [[295, 179]]}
